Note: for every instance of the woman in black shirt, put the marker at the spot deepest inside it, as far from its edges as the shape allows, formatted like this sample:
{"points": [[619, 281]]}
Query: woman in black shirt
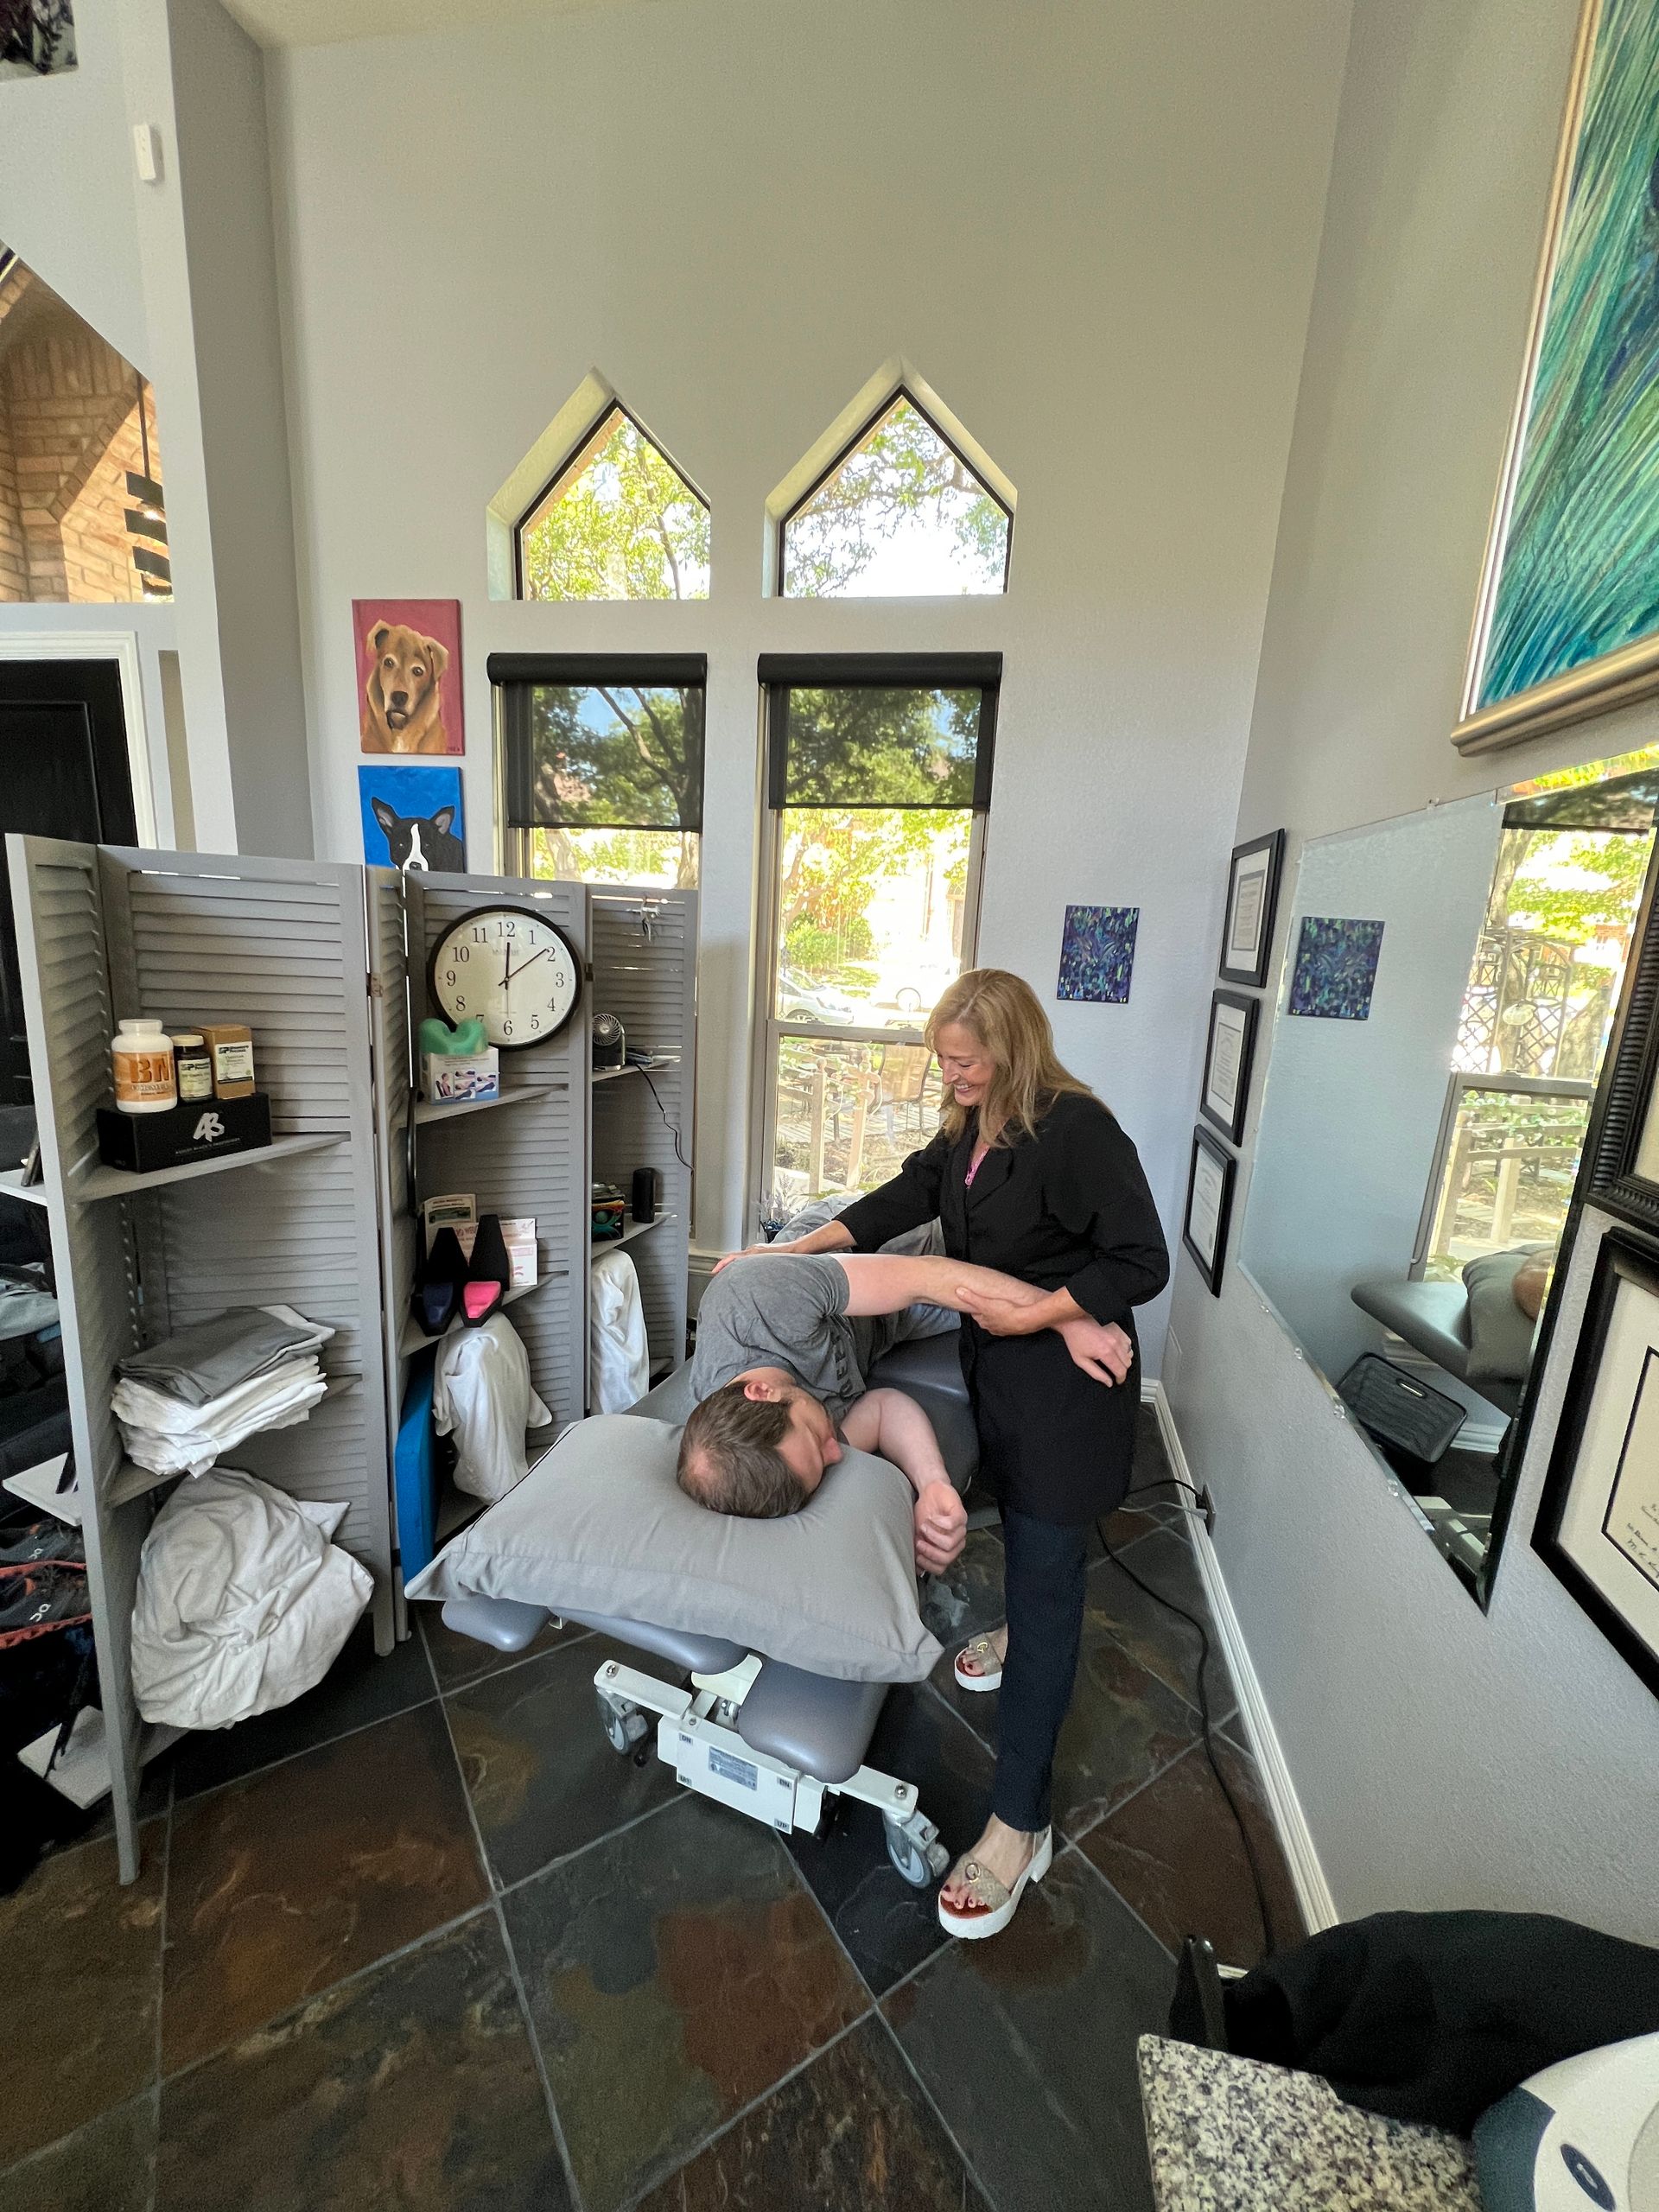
{"points": [[1031, 1174]]}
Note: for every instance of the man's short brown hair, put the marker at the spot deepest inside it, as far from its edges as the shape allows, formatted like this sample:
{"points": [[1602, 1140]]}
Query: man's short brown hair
{"points": [[729, 1460]]}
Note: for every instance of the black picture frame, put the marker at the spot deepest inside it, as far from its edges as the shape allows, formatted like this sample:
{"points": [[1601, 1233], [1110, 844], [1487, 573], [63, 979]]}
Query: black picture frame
{"points": [[1232, 1128], [1627, 1096], [1621, 1258], [1211, 1266], [1273, 846]]}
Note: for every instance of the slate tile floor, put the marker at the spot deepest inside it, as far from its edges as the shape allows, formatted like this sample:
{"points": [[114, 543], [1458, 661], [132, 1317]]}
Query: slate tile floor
{"points": [[423, 1941]]}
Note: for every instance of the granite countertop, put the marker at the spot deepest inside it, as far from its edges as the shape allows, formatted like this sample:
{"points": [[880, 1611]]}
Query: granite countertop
{"points": [[1229, 2134]]}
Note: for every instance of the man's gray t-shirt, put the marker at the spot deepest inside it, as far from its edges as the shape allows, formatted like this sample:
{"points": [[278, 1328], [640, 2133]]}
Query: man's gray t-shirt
{"points": [[789, 1311]]}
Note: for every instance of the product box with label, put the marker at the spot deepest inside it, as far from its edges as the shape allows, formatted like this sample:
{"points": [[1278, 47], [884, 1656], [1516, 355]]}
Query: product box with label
{"points": [[201, 1130], [462, 1078]]}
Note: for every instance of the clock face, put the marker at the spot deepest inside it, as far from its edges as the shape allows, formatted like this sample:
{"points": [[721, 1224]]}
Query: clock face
{"points": [[512, 968]]}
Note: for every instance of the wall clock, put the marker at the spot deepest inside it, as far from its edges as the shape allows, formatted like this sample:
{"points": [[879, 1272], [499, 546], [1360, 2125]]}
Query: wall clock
{"points": [[512, 968]]}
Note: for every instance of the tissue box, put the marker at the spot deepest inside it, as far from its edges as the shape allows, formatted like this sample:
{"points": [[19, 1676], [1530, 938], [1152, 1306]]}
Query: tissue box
{"points": [[454, 1078]]}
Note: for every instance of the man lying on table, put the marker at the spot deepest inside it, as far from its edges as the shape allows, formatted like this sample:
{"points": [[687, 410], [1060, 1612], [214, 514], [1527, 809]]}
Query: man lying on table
{"points": [[784, 1341]]}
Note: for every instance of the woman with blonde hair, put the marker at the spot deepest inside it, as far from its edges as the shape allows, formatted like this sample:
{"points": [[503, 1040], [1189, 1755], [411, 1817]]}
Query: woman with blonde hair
{"points": [[1031, 1174]]}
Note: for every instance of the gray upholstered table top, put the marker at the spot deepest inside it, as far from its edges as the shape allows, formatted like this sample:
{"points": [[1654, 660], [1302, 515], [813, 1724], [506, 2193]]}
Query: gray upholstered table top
{"points": [[1231, 2135]]}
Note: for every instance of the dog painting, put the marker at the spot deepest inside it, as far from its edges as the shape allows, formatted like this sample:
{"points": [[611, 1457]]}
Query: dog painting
{"points": [[409, 675], [412, 818]]}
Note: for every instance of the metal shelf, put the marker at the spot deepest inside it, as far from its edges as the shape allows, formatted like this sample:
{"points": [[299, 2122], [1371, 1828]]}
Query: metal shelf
{"points": [[415, 1338], [429, 1111], [633, 1229], [102, 1182], [657, 1060]]}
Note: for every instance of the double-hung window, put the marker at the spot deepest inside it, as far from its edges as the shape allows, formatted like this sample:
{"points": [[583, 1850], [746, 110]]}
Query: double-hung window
{"points": [[878, 787], [600, 765]]}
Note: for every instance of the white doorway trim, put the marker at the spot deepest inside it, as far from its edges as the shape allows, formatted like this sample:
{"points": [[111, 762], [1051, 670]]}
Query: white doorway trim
{"points": [[122, 647]]}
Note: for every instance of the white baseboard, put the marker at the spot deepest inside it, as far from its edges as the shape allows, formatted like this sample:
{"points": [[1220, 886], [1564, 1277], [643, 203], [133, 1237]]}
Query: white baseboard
{"points": [[1319, 1907]]}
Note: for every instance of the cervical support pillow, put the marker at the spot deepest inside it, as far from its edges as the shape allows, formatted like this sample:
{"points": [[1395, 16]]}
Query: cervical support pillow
{"points": [[600, 1526], [1500, 1333]]}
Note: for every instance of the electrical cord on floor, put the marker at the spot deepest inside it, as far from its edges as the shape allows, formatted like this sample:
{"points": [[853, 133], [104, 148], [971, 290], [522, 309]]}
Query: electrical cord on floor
{"points": [[663, 1110], [1192, 1621], [1165, 1482]]}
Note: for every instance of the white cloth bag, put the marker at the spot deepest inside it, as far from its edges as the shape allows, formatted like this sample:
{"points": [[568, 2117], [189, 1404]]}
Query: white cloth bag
{"points": [[619, 1349], [243, 1603], [481, 1396]]}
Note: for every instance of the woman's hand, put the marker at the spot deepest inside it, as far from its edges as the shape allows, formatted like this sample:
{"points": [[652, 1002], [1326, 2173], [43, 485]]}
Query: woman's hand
{"points": [[941, 1528], [1100, 1349], [831, 1237]]}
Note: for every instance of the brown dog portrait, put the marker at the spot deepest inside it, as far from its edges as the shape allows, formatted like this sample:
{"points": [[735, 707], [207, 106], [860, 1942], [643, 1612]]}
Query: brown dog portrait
{"points": [[403, 704]]}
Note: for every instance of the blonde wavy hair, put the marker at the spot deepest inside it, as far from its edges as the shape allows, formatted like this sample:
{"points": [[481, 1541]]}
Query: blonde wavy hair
{"points": [[1003, 1014]]}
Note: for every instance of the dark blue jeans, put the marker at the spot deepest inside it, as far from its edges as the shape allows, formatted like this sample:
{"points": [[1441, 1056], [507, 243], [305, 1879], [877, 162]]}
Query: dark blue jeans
{"points": [[1043, 1580]]}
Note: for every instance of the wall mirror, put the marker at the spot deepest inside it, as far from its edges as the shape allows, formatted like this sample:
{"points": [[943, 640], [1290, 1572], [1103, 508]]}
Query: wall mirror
{"points": [[1425, 1112]]}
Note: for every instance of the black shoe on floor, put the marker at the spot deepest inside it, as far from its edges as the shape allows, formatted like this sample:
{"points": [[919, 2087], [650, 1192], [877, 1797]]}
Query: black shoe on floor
{"points": [[41, 1540], [35, 1600]]}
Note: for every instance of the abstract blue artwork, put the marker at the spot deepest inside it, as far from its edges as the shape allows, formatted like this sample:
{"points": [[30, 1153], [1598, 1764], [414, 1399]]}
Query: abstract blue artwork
{"points": [[1573, 569], [1098, 954], [1336, 969]]}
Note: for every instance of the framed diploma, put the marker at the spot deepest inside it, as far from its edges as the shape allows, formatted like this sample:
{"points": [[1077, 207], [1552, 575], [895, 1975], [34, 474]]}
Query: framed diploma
{"points": [[1209, 1207], [1598, 1525], [1227, 1060], [1252, 894]]}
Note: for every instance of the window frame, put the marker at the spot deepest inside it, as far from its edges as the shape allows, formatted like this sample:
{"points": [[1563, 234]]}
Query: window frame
{"points": [[613, 407], [844, 454], [779, 674], [512, 676]]}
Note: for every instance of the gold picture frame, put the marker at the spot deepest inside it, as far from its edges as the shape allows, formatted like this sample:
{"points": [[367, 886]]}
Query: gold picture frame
{"points": [[1614, 677]]}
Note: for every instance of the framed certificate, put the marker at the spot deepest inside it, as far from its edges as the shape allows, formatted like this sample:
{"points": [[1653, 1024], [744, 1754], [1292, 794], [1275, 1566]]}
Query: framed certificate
{"points": [[1227, 1060], [1598, 1525], [1252, 894], [1209, 1207]]}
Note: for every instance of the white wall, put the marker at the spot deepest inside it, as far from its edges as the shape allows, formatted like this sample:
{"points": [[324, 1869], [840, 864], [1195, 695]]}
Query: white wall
{"points": [[1444, 1756], [1090, 229]]}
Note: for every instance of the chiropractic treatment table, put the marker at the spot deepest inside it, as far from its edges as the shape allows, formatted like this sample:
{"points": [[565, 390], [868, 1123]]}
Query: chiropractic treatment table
{"points": [[766, 1739]]}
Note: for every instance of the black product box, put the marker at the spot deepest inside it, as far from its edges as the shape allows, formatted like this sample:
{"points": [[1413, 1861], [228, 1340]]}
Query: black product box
{"points": [[183, 1134]]}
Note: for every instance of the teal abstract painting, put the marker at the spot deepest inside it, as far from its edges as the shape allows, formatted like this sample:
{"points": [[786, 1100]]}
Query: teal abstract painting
{"points": [[1578, 573]]}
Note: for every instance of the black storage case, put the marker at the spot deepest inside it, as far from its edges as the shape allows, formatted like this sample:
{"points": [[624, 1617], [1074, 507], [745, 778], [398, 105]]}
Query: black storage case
{"points": [[1397, 1409], [201, 1130]]}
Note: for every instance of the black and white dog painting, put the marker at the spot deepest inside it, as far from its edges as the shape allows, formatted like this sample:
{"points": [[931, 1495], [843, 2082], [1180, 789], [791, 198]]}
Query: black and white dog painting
{"points": [[421, 840], [412, 817]]}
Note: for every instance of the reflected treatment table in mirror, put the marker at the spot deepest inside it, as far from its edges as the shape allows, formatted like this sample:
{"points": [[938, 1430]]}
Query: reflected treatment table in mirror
{"points": [[1422, 1131]]}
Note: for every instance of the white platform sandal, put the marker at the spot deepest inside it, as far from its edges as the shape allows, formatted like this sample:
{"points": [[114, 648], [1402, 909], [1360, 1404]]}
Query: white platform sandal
{"points": [[982, 1652], [991, 1905]]}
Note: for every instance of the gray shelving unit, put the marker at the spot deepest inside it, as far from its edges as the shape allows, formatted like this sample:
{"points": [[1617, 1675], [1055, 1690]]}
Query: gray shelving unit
{"points": [[105, 933], [644, 955]]}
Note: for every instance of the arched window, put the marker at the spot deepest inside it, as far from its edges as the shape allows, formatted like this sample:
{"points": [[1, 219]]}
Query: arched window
{"points": [[899, 514], [618, 521]]}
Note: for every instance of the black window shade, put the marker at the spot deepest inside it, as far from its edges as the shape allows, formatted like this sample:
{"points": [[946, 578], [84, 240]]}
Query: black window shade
{"points": [[602, 743], [881, 729]]}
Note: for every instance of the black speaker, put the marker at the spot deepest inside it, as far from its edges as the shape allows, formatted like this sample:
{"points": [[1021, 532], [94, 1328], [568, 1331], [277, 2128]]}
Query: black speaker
{"points": [[647, 1191]]}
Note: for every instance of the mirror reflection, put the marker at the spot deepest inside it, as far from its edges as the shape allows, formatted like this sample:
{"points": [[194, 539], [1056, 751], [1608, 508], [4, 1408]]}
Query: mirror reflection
{"points": [[1418, 1148]]}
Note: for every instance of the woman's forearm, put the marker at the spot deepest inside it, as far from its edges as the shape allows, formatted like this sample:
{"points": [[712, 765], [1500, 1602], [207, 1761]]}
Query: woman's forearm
{"points": [[832, 1237]]}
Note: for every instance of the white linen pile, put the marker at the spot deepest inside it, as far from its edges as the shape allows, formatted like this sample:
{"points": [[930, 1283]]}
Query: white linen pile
{"points": [[180, 1404]]}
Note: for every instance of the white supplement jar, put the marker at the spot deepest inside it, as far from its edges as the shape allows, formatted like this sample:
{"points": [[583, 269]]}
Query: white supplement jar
{"points": [[142, 1055]]}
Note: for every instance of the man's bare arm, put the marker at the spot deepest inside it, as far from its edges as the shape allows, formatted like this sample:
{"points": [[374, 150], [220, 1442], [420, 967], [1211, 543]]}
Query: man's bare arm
{"points": [[886, 1282], [888, 1422]]}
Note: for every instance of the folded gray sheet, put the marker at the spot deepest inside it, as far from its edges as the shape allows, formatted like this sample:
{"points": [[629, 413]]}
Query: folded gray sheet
{"points": [[203, 1362]]}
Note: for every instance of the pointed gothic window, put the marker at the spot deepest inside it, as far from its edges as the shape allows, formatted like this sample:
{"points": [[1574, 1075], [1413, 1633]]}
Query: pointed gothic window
{"points": [[619, 521], [898, 515]]}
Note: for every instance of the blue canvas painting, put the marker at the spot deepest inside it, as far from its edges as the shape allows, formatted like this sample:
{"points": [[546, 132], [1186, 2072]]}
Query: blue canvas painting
{"points": [[1336, 969], [1578, 571], [412, 817], [1098, 954]]}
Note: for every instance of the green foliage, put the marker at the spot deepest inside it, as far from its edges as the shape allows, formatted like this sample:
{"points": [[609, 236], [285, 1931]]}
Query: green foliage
{"points": [[834, 862], [902, 472], [1582, 913], [621, 524], [879, 747], [604, 756]]}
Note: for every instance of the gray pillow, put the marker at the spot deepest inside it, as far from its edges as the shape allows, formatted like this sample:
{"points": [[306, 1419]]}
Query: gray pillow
{"points": [[1500, 1334], [599, 1525]]}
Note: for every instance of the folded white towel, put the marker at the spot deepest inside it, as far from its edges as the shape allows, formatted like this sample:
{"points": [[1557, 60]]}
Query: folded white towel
{"points": [[275, 1400]]}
